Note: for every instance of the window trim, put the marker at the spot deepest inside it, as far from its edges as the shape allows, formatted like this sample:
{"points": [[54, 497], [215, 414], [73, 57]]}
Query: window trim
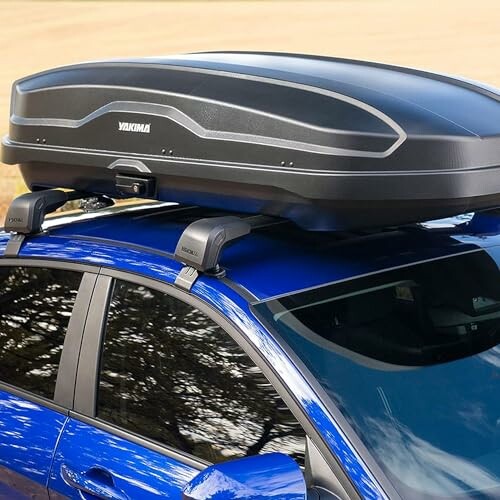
{"points": [[62, 401], [33, 398], [68, 364], [87, 377], [88, 374]]}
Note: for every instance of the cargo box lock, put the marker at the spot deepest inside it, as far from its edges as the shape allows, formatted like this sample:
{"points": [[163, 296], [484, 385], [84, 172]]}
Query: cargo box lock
{"points": [[132, 185]]}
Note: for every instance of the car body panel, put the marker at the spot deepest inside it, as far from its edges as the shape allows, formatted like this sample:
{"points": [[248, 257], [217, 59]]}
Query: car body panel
{"points": [[136, 471], [28, 437], [230, 305]]}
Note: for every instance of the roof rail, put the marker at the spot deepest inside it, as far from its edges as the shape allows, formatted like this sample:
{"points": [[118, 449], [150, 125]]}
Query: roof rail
{"points": [[202, 242], [27, 213]]}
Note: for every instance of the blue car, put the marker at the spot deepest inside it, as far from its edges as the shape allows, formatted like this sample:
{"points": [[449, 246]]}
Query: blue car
{"points": [[269, 316], [334, 366]]}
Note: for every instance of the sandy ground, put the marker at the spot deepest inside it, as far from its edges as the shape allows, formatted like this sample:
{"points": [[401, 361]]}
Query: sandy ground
{"points": [[452, 36]]}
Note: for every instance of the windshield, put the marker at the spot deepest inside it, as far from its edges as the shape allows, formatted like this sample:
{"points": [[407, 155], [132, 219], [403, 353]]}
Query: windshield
{"points": [[410, 357]]}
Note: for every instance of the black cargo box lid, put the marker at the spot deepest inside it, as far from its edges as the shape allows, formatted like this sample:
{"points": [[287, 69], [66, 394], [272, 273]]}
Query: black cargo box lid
{"points": [[329, 143]]}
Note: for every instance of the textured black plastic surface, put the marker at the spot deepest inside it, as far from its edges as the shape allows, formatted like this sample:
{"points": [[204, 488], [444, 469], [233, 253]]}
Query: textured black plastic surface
{"points": [[329, 143], [26, 213], [202, 241]]}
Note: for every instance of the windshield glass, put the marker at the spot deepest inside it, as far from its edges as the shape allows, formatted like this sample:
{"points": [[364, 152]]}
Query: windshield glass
{"points": [[410, 357]]}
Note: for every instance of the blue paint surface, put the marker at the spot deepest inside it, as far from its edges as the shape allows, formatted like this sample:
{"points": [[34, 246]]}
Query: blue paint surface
{"points": [[113, 466], [28, 436], [269, 262]]}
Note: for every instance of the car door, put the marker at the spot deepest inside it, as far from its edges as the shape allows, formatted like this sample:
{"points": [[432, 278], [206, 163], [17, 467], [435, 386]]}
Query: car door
{"points": [[42, 308], [162, 391]]}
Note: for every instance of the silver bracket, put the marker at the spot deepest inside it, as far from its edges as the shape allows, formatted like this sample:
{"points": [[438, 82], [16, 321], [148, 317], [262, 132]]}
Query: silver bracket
{"points": [[186, 278], [14, 245]]}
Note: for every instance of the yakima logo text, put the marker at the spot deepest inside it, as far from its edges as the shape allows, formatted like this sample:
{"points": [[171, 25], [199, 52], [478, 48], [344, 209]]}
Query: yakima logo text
{"points": [[143, 128]]}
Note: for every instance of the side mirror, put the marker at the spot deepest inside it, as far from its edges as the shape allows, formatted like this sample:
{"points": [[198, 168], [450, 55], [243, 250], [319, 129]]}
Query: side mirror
{"points": [[270, 476]]}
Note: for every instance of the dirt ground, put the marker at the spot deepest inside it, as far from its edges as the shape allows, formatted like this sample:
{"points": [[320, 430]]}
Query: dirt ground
{"points": [[451, 36]]}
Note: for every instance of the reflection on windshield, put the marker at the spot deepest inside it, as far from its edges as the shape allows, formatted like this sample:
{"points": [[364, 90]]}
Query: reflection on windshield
{"points": [[416, 462], [411, 357], [492, 356]]}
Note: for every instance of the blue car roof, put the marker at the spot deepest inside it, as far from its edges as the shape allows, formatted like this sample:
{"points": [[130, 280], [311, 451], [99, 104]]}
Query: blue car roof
{"points": [[278, 258]]}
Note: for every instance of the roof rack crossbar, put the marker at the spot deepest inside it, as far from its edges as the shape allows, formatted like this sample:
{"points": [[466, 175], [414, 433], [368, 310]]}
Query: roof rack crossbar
{"points": [[27, 213], [202, 242]]}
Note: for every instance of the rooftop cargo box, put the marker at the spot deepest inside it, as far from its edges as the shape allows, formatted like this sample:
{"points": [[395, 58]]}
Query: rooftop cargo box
{"points": [[329, 143]]}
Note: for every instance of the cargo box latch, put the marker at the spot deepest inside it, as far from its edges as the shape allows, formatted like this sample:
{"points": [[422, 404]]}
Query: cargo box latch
{"points": [[131, 185]]}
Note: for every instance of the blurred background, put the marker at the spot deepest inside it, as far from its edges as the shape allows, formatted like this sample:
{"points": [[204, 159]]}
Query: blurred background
{"points": [[449, 36]]}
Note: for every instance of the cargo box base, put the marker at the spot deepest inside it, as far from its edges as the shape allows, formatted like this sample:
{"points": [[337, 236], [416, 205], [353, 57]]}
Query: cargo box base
{"points": [[313, 215]]}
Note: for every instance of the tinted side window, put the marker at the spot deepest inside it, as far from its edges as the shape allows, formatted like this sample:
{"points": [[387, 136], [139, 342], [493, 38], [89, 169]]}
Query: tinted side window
{"points": [[35, 308], [172, 375]]}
